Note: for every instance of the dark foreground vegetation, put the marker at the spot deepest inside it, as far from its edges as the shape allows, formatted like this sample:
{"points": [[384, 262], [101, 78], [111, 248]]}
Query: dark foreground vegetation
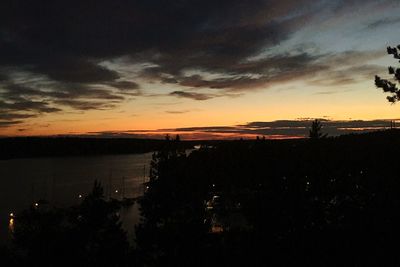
{"points": [[311, 202], [88, 234]]}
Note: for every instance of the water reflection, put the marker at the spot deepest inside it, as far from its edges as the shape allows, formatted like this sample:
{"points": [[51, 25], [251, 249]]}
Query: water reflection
{"points": [[65, 182], [11, 223]]}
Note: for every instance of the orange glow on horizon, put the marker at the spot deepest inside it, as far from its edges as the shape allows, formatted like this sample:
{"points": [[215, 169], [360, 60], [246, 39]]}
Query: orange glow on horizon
{"points": [[260, 105]]}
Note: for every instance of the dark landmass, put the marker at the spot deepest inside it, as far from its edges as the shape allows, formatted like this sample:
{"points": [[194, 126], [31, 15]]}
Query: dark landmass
{"points": [[31, 147], [310, 202]]}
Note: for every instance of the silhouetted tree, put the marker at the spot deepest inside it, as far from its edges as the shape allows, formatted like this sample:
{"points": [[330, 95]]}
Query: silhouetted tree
{"points": [[172, 224], [89, 234], [279, 203], [386, 85], [316, 130]]}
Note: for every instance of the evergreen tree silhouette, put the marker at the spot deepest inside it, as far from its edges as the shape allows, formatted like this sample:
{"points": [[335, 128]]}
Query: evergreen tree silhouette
{"points": [[386, 85], [316, 130]]}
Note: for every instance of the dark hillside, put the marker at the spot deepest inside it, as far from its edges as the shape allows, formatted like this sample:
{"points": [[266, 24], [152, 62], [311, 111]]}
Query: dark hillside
{"points": [[324, 202]]}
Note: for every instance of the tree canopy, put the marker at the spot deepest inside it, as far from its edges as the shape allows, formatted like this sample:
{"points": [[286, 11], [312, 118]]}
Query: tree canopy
{"points": [[387, 85]]}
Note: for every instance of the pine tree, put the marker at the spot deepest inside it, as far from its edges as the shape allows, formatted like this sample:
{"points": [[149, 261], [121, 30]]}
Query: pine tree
{"points": [[316, 130], [386, 85]]}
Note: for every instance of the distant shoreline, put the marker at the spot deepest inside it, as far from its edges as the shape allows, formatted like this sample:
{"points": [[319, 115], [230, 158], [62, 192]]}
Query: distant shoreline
{"points": [[39, 147]]}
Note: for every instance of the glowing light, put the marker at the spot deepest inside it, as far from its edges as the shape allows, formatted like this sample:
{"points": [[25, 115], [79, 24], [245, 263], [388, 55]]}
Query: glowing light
{"points": [[11, 215], [116, 191], [217, 229], [36, 204], [11, 224], [80, 196]]}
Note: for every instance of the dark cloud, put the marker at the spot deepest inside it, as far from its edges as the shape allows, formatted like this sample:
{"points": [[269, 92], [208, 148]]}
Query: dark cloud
{"points": [[124, 85], [8, 123], [75, 71], [192, 95], [86, 105], [15, 112], [272, 130], [65, 91], [14, 116], [288, 128], [326, 122], [321, 69], [293, 128], [205, 129], [237, 73], [65, 40], [27, 105], [20, 101], [59, 48]]}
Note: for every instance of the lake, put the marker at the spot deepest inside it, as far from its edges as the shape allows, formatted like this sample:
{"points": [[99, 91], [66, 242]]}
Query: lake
{"points": [[65, 181]]}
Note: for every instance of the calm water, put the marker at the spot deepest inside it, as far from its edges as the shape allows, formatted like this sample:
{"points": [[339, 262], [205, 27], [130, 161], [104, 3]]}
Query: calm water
{"points": [[62, 180]]}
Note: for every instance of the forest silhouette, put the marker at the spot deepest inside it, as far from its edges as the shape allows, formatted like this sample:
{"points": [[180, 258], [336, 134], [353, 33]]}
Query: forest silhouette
{"points": [[319, 201]]}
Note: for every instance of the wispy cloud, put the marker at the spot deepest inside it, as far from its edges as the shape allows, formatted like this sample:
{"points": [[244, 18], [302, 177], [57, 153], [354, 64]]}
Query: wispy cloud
{"points": [[177, 111], [383, 22]]}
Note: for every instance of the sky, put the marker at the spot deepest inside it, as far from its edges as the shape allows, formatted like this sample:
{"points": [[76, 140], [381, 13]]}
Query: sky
{"points": [[201, 68]]}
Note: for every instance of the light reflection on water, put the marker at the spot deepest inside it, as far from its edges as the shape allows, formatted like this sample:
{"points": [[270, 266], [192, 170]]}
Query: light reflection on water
{"points": [[11, 225], [64, 181]]}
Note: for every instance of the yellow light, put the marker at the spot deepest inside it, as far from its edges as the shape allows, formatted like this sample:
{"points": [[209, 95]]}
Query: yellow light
{"points": [[12, 215], [11, 224]]}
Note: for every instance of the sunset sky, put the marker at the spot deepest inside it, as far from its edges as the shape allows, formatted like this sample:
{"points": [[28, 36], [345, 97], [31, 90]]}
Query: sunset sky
{"points": [[202, 68]]}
